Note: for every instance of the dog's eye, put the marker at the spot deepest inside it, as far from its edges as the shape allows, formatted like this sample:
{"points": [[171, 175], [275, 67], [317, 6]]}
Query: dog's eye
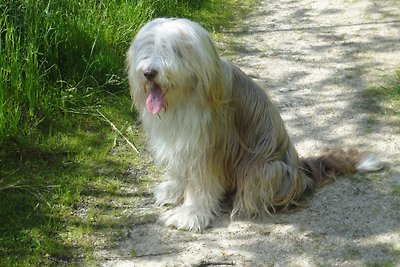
{"points": [[177, 51]]}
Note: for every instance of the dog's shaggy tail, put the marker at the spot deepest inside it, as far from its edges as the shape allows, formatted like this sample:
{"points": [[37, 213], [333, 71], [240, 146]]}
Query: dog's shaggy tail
{"points": [[332, 163]]}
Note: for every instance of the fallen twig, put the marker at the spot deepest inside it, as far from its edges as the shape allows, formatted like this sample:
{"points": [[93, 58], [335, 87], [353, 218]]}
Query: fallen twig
{"points": [[118, 131], [212, 263], [155, 254]]}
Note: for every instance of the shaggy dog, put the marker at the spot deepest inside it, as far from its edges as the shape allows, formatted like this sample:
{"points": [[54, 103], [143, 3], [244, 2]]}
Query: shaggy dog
{"points": [[216, 131]]}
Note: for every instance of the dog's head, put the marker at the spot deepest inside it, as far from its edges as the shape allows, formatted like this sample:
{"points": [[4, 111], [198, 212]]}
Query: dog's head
{"points": [[171, 60]]}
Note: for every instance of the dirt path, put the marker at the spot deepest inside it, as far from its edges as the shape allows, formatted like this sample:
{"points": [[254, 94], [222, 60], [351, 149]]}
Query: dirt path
{"points": [[316, 58]]}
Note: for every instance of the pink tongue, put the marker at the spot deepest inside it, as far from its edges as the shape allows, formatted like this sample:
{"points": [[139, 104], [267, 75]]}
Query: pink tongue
{"points": [[155, 100]]}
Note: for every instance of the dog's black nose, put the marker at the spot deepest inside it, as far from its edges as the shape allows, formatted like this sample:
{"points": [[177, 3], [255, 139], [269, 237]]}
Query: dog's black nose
{"points": [[150, 74]]}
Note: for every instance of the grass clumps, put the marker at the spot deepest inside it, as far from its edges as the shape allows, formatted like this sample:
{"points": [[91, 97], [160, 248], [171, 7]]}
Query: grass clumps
{"points": [[384, 101], [388, 94]]}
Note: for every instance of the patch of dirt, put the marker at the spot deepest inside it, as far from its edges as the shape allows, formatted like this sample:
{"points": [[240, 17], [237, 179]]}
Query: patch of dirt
{"points": [[315, 58]]}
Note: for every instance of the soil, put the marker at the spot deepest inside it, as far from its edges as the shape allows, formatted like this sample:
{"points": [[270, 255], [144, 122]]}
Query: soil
{"points": [[316, 58]]}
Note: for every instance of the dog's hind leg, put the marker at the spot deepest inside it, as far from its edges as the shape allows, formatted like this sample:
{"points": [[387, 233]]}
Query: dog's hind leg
{"points": [[263, 188]]}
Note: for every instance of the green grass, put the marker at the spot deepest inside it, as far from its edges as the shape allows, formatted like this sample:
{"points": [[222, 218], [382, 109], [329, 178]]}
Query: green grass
{"points": [[383, 102], [68, 182], [380, 264], [389, 91], [57, 54], [396, 190], [44, 180], [387, 95]]}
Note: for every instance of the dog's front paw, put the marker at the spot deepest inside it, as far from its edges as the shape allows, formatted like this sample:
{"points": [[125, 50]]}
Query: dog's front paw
{"points": [[190, 218], [169, 192]]}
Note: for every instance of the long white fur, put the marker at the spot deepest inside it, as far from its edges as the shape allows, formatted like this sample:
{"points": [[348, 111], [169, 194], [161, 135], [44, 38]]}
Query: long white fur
{"points": [[219, 132], [178, 137], [369, 163]]}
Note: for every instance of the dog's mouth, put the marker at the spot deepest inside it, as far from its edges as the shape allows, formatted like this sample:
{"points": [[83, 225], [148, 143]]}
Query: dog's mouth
{"points": [[155, 100]]}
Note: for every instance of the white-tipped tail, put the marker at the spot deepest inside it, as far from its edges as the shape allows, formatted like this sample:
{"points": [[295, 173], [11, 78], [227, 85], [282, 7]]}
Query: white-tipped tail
{"points": [[369, 163]]}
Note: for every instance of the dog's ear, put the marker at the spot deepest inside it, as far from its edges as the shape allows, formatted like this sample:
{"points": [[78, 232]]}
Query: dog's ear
{"points": [[215, 91]]}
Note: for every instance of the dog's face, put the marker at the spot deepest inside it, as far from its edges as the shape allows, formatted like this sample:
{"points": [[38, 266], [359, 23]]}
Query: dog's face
{"points": [[170, 60]]}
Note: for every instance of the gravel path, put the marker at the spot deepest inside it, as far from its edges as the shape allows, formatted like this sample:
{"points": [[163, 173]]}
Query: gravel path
{"points": [[315, 58]]}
